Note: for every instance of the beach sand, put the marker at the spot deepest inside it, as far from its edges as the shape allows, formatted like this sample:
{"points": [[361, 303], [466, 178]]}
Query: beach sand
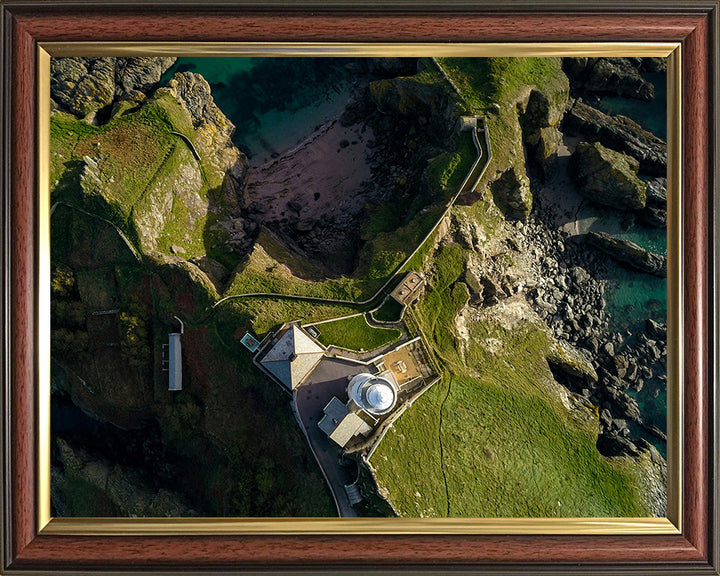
{"points": [[323, 176]]}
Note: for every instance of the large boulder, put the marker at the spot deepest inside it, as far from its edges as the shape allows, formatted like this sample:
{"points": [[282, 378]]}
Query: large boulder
{"points": [[141, 74], [629, 253], [619, 76], [571, 361], [511, 193], [83, 86], [607, 177], [542, 115], [619, 133]]}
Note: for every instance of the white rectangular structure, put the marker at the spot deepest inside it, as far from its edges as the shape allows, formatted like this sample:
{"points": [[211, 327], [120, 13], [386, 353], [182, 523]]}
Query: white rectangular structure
{"points": [[174, 362]]}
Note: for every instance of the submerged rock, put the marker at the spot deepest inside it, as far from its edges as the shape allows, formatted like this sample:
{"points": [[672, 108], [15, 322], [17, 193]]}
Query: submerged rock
{"points": [[607, 177], [619, 133], [629, 253]]}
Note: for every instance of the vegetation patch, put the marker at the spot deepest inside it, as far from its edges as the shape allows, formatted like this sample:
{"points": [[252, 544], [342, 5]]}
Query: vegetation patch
{"points": [[390, 311], [493, 437], [356, 334]]}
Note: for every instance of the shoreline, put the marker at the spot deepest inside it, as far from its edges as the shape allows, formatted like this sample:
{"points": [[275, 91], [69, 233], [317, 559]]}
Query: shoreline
{"points": [[625, 295]]}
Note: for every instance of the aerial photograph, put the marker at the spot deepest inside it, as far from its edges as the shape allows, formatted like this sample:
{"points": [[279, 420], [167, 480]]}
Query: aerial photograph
{"points": [[358, 287]]}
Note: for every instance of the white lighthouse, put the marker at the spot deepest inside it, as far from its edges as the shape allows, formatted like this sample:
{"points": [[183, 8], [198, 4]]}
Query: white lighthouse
{"points": [[376, 394]]}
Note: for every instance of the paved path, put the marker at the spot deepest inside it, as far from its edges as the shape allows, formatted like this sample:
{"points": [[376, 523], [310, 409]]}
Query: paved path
{"points": [[327, 380]]}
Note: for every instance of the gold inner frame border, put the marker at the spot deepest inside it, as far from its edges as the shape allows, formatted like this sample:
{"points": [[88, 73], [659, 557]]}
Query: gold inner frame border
{"points": [[356, 526]]}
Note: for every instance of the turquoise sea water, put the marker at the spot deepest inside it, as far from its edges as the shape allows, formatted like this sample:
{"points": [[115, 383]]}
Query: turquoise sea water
{"points": [[634, 297], [273, 102]]}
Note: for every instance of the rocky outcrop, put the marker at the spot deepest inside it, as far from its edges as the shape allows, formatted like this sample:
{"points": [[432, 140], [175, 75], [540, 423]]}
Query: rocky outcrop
{"points": [[652, 469], [629, 253], [655, 212], [511, 193], [619, 133], [571, 361], [543, 113], [107, 484], [83, 86], [213, 131], [408, 98], [619, 76], [607, 177]]}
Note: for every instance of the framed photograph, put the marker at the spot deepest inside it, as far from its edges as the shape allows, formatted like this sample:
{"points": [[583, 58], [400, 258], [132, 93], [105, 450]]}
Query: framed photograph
{"points": [[331, 288]]}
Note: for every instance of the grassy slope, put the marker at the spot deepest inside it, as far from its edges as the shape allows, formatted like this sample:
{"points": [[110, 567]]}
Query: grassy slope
{"points": [[356, 334], [492, 430], [137, 153], [389, 239], [140, 163], [484, 82], [490, 439]]}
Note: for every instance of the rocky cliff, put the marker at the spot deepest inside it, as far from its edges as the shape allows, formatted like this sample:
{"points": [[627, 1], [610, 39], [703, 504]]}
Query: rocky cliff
{"points": [[619, 76], [619, 133], [85, 86]]}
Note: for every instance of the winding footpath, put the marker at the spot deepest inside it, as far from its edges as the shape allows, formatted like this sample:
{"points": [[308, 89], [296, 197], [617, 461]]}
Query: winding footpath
{"points": [[476, 172]]}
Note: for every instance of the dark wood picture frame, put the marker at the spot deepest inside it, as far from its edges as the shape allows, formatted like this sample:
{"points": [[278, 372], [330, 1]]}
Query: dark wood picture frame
{"points": [[26, 24]]}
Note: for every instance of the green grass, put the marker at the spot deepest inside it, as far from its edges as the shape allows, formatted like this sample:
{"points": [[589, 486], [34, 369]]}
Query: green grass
{"points": [[269, 313], [390, 311], [446, 172], [494, 86], [356, 334], [491, 438], [486, 81], [142, 166]]}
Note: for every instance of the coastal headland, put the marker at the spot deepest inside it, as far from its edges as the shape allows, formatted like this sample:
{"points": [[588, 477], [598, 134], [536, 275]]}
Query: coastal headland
{"points": [[543, 402]]}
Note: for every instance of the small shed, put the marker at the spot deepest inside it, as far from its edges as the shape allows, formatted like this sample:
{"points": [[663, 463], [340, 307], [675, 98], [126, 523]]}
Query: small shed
{"points": [[175, 358], [409, 288]]}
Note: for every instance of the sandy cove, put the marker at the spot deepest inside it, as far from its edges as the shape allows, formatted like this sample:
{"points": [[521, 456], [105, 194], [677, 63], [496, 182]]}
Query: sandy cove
{"points": [[321, 178]]}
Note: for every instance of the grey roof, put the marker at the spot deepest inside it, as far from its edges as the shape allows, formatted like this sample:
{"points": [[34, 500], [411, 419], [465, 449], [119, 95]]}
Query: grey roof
{"points": [[335, 411], [293, 357], [339, 423]]}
